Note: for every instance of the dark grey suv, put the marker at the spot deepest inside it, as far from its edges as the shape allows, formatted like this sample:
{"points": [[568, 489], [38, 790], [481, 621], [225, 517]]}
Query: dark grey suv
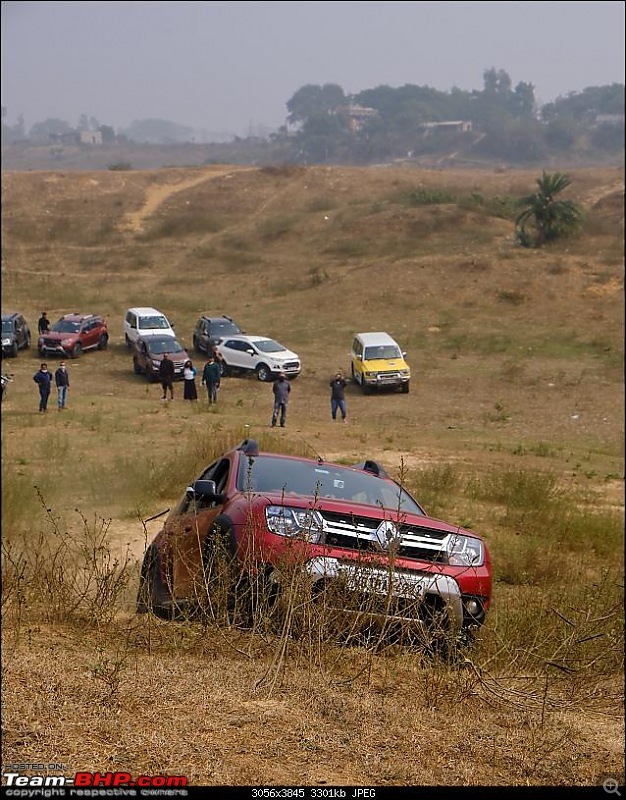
{"points": [[15, 334], [209, 329]]}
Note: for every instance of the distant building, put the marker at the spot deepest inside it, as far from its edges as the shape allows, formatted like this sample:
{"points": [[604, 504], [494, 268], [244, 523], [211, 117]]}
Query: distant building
{"points": [[609, 119], [356, 115], [458, 125], [90, 137]]}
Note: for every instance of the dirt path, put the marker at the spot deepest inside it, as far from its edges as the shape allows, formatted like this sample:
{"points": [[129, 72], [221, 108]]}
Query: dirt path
{"points": [[155, 195]]}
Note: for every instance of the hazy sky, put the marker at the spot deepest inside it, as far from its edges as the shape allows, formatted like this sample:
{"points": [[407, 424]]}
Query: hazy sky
{"points": [[232, 66]]}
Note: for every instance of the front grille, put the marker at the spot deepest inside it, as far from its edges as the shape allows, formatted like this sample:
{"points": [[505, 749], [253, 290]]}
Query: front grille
{"points": [[354, 532], [291, 365]]}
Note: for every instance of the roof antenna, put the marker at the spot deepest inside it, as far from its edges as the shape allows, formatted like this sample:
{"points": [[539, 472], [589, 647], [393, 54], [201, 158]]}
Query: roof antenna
{"points": [[319, 457]]}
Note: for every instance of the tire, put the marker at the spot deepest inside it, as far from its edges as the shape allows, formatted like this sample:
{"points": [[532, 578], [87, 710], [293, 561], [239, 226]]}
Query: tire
{"points": [[77, 350], [14, 350], [196, 345], [405, 388], [366, 389], [226, 370], [152, 596], [263, 373], [103, 342], [128, 341], [136, 368], [41, 352], [27, 342]]}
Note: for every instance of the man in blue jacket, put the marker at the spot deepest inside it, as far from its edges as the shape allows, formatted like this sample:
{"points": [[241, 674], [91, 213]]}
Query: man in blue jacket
{"points": [[62, 380], [43, 379], [281, 389]]}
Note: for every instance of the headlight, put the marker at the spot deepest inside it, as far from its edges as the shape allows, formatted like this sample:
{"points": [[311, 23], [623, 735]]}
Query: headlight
{"points": [[405, 372], [66, 342], [156, 364], [302, 523], [465, 551], [370, 374], [6, 342]]}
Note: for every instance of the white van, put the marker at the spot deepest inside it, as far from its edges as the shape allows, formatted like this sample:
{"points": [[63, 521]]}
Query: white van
{"points": [[145, 321]]}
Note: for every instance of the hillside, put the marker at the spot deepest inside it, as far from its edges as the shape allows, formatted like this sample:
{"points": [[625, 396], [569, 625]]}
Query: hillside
{"points": [[517, 359]]}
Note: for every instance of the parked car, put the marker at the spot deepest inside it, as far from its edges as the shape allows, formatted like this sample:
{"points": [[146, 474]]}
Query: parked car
{"points": [[143, 321], [73, 333], [208, 330], [260, 354], [148, 353], [377, 361], [15, 334], [362, 546]]}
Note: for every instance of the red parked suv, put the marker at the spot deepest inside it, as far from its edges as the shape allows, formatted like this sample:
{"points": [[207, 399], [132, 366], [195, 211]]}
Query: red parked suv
{"points": [[73, 333], [361, 544]]}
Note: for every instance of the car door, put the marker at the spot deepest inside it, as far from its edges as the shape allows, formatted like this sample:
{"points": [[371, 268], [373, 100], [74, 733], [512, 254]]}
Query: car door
{"points": [[88, 333], [188, 530]]}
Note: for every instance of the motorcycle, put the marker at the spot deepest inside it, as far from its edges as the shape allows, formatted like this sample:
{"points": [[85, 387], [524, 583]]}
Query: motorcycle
{"points": [[6, 379]]}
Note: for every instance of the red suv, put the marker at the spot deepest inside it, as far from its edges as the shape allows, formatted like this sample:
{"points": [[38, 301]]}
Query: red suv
{"points": [[361, 545], [73, 333]]}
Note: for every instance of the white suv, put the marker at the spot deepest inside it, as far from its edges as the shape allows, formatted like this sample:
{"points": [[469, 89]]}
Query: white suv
{"points": [[145, 321], [259, 354]]}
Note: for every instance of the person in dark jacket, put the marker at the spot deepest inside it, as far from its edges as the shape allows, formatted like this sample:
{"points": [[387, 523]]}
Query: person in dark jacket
{"points": [[166, 374], [338, 396], [211, 375], [43, 323], [43, 379], [62, 381], [281, 389]]}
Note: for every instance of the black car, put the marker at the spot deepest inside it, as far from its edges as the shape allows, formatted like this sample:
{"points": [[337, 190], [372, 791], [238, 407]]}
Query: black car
{"points": [[209, 329], [15, 334], [148, 353]]}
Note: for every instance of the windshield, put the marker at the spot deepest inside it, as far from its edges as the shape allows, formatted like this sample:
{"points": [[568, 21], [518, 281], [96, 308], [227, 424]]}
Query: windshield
{"points": [[225, 328], [269, 346], [7, 326], [159, 346], [382, 351], [158, 323], [66, 326], [318, 480]]}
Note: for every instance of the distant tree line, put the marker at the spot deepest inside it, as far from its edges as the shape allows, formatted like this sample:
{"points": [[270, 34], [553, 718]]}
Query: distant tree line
{"points": [[324, 125]]}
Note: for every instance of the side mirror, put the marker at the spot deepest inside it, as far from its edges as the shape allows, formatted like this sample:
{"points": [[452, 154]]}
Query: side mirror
{"points": [[200, 489]]}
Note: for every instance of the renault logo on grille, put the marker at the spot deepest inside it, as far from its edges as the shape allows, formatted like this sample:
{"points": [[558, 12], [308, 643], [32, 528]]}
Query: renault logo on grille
{"points": [[387, 534]]}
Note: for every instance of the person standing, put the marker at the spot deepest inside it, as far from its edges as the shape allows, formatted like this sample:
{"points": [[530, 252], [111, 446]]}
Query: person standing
{"points": [[211, 375], [43, 379], [281, 389], [189, 387], [43, 323], [166, 374], [62, 381], [338, 396]]}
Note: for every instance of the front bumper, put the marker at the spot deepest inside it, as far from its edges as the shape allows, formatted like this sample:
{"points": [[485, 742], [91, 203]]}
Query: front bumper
{"points": [[372, 594]]}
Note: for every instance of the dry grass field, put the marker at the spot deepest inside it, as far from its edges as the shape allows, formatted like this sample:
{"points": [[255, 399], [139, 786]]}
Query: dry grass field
{"points": [[514, 427]]}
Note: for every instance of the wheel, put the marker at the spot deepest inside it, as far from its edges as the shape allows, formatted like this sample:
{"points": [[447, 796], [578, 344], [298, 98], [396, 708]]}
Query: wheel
{"points": [[27, 342], [136, 367], [366, 389], [405, 388], [263, 373], [196, 345], [14, 350], [128, 341], [226, 370], [77, 350], [41, 352], [152, 596], [103, 342]]}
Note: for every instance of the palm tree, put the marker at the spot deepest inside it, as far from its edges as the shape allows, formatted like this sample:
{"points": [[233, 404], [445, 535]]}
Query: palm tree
{"points": [[548, 217]]}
